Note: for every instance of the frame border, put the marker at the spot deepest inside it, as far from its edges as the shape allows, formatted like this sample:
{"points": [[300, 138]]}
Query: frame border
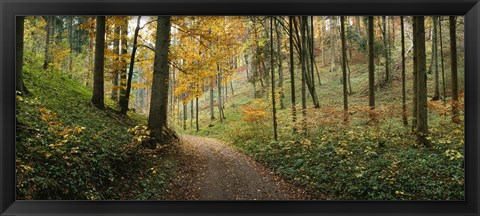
{"points": [[10, 8]]}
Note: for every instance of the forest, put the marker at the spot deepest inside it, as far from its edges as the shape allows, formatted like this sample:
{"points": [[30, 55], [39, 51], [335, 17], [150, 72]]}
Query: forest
{"points": [[240, 108]]}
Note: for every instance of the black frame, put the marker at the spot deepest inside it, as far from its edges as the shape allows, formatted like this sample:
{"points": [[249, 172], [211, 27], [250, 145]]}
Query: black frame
{"points": [[10, 8]]}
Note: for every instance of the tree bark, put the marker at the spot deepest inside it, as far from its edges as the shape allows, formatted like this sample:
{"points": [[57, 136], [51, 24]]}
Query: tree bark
{"points": [[212, 111], [344, 69], [70, 44], [48, 28], [371, 68], [404, 101], [436, 95], [385, 49], [123, 65], [322, 39], [157, 119], [124, 102], [292, 72], [444, 88], [304, 74], [98, 74], [453, 56], [422, 125], [280, 62], [117, 62], [20, 29], [274, 111], [196, 115], [332, 44], [415, 72]]}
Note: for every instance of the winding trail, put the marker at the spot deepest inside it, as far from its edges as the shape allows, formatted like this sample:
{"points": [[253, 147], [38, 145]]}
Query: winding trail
{"points": [[212, 170]]}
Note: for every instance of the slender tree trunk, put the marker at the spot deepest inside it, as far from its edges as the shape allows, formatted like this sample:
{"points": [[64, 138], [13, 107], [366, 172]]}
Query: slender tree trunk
{"points": [[212, 111], [404, 101], [422, 125], [292, 72], [70, 44], [280, 62], [124, 103], [20, 29], [117, 61], [309, 76], [157, 119], [332, 44], [191, 114], [48, 27], [98, 88], [432, 59], [322, 39], [371, 68], [436, 95], [344, 70], [184, 113], [304, 74], [453, 56], [196, 115], [385, 49], [172, 93], [444, 88], [274, 111], [219, 88], [123, 65], [415, 72]]}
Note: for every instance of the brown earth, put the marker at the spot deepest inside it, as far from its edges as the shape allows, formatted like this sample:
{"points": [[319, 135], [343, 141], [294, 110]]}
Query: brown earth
{"points": [[212, 170]]}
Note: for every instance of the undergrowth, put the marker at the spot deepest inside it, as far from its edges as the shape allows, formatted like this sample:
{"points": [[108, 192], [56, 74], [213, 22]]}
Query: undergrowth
{"points": [[68, 149]]}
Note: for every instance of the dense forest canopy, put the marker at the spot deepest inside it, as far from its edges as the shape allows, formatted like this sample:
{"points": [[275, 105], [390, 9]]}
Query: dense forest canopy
{"points": [[382, 96]]}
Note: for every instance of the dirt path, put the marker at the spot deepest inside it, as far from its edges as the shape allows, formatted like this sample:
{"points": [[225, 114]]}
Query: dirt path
{"points": [[212, 170]]}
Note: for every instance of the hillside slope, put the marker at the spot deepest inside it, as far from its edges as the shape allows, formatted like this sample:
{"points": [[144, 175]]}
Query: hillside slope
{"points": [[67, 149]]}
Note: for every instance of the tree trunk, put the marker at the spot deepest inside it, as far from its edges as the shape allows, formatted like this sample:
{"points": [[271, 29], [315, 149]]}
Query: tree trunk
{"points": [[304, 74], [172, 92], [20, 29], [196, 115], [123, 65], [332, 44], [322, 39], [444, 88], [385, 49], [309, 76], [404, 103], [453, 56], [124, 103], [415, 72], [117, 62], [157, 119], [221, 115], [70, 44], [344, 69], [280, 62], [184, 113], [98, 85], [274, 111], [371, 68], [436, 95], [48, 28], [191, 114], [292, 72], [422, 125], [212, 111]]}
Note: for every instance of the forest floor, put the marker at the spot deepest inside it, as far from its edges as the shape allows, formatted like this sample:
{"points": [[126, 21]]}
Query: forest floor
{"points": [[213, 170]]}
